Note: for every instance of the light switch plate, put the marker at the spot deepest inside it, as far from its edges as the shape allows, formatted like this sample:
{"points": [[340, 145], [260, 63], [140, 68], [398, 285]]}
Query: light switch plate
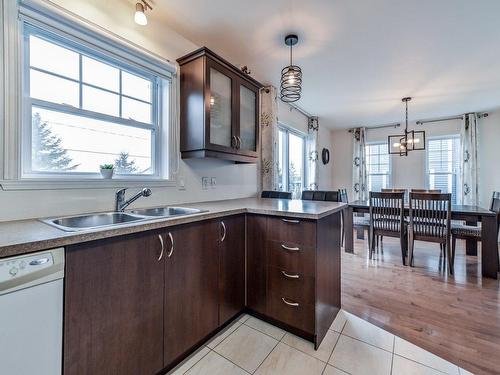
{"points": [[213, 182], [181, 183]]}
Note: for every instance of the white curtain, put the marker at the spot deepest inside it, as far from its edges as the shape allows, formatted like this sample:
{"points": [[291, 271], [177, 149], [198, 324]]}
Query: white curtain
{"points": [[269, 138], [470, 164], [359, 178], [312, 153]]}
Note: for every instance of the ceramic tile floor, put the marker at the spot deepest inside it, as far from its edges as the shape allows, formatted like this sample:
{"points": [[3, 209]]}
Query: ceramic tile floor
{"points": [[352, 346]]}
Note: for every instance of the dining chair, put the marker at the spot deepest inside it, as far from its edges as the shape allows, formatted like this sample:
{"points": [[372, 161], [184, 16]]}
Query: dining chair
{"points": [[397, 190], [430, 220], [387, 219], [276, 194], [467, 232], [432, 191]]}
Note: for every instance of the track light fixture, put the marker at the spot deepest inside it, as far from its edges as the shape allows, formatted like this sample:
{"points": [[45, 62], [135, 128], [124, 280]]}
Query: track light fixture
{"points": [[140, 15]]}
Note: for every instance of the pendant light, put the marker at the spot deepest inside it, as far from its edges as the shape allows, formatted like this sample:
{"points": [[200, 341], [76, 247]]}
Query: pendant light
{"points": [[401, 144], [291, 75], [139, 16]]}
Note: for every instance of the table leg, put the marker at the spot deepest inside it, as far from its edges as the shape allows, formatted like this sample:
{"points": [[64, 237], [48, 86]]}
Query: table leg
{"points": [[471, 245], [348, 233], [489, 247]]}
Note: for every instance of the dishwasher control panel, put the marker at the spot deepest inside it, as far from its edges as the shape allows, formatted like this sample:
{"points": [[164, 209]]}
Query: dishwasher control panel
{"points": [[11, 268]]}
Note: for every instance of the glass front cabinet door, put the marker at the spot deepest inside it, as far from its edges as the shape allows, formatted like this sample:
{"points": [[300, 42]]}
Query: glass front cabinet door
{"points": [[248, 119], [220, 97]]}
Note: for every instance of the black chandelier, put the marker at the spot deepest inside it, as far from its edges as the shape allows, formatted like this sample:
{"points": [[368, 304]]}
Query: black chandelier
{"points": [[291, 75], [401, 144]]}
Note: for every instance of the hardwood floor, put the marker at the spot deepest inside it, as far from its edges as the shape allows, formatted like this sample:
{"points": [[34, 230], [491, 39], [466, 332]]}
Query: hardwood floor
{"points": [[457, 317]]}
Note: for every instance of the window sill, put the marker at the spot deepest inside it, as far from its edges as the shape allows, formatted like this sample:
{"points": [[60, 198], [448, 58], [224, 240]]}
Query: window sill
{"points": [[88, 183]]}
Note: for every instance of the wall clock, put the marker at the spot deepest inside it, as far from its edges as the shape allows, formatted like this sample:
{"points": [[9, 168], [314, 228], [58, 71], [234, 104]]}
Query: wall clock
{"points": [[325, 156]]}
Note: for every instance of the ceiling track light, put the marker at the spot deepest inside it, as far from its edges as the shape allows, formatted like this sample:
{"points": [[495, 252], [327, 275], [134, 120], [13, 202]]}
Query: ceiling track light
{"points": [[140, 15], [291, 75]]}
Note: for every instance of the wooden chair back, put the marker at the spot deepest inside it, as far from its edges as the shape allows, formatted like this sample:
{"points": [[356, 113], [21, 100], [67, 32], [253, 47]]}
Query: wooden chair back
{"points": [[393, 190], [321, 195], [387, 212], [276, 194], [343, 196], [430, 216], [432, 191]]}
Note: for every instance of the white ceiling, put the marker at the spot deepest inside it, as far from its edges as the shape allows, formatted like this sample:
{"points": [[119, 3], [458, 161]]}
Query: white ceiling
{"points": [[359, 57]]}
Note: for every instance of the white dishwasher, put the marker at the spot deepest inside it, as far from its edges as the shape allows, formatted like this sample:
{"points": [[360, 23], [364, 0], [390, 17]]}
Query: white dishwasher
{"points": [[31, 309]]}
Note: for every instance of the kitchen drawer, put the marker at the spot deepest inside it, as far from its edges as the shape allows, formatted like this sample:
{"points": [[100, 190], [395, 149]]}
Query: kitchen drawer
{"points": [[299, 316], [290, 230], [291, 256], [291, 284]]}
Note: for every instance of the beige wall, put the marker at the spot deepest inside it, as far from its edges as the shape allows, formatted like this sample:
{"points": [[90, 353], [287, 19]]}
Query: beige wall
{"points": [[233, 180]]}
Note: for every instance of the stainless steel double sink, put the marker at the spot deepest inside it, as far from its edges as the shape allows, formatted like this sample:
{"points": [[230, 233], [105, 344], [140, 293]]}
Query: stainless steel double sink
{"points": [[111, 219]]}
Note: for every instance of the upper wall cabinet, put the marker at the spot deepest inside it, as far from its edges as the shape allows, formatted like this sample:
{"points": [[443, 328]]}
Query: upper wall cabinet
{"points": [[219, 109]]}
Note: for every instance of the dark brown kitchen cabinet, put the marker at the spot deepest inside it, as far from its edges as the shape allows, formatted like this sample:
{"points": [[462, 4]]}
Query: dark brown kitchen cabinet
{"points": [[191, 311], [293, 276], [219, 109], [113, 316], [232, 267]]}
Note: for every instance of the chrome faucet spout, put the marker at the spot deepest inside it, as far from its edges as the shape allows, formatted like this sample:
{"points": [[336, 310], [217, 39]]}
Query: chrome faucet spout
{"points": [[121, 203]]}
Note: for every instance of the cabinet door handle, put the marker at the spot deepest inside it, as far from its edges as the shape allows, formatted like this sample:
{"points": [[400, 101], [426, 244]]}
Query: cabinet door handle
{"points": [[294, 304], [172, 243], [234, 142], [239, 141], [291, 221], [290, 276], [162, 247], [223, 231], [289, 248]]}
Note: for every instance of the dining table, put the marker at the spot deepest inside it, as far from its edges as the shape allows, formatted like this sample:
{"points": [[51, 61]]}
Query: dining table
{"points": [[471, 215]]}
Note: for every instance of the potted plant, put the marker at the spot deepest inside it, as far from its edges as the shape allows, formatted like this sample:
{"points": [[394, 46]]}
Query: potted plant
{"points": [[107, 171]]}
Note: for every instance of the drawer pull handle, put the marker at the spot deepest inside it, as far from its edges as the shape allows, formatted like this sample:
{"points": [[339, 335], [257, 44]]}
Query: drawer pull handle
{"points": [[290, 248], [294, 304], [289, 275], [291, 221]]}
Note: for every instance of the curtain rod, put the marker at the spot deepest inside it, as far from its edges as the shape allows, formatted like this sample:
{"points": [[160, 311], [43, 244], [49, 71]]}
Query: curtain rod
{"points": [[394, 125], [297, 108], [457, 117]]}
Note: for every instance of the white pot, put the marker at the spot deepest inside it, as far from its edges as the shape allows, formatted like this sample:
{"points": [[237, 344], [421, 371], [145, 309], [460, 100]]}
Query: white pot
{"points": [[107, 173]]}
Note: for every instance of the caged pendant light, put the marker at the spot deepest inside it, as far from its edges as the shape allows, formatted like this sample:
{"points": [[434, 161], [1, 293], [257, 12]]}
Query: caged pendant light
{"points": [[291, 75]]}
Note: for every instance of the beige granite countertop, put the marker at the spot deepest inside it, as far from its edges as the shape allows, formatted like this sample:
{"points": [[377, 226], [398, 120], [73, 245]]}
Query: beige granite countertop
{"points": [[25, 236]]}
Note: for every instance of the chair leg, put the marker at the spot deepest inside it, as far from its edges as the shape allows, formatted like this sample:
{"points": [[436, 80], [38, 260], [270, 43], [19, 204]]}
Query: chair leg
{"points": [[451, 259], [453, 248], [371, 243], [404, 247], [410, 250], [382, 244], [378, 237]]}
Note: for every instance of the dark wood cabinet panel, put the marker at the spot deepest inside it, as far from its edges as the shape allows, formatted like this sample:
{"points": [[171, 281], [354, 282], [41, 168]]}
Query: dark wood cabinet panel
{"points": [[256, 263], [292, 231], [232, 267], [191, 287], [290, 284], [212, 89], [113, 298]]}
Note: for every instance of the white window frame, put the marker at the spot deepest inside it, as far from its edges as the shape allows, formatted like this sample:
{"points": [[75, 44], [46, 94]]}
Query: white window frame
{"points": [[379, 174], [286, 161], [458, 172], [127, 56]]}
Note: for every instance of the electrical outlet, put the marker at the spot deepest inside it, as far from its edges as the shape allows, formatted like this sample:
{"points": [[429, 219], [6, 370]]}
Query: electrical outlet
{"points": [[181, 184], [213, 182], [205, 182]]}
